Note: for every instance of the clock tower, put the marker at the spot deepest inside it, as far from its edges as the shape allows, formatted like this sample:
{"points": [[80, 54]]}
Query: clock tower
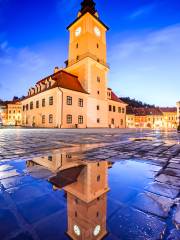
{"points": [[87, 202], [87, 60]]}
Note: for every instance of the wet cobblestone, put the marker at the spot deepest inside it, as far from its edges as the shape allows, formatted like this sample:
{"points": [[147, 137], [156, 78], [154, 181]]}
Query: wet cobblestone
{"points": [[29, 210]]}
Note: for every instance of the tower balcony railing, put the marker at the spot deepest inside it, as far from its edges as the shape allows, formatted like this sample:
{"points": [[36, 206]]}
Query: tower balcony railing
{"points": [[90, 55]]}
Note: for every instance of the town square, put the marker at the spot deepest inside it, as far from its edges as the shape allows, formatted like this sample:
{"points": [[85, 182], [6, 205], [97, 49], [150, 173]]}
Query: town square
{"points": [[84, 156]]}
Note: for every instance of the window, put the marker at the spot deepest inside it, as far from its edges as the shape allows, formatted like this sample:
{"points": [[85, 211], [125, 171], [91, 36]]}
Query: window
{"points": [[9, 112], [77, 58], [77, 45], [98, 92], [50, 100], [122, 122], [97, 45], [97, 107], [112, 121], [69, 100], [50, 118], [123, 110], [31, 105], [43, 102], [114, 108], [98, 79], [43, 119], [119, 109], [69, 119], [37, 104], [75, 214], [110, 108], [98, 120], [80, 101], [98, 178], [80, 119], [27, 106], [24, 107]]}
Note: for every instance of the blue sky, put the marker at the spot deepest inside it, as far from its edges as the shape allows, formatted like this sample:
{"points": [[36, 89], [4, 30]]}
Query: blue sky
{"points": [[143, 45]]}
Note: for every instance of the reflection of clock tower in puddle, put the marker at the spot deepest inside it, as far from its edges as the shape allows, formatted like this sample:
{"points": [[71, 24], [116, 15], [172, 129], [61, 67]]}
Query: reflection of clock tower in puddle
{"points": [[87, 60], [86, 202]]}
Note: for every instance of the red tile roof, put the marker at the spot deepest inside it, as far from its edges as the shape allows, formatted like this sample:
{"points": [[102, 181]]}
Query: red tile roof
{"points": [[168, 109], [68, 81], [62, 79], [144, 111], [115, 98]]}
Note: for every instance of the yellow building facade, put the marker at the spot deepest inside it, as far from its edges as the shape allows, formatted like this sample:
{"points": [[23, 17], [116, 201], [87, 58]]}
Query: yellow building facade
{"points": [[178, 113], [153, 118], [11, 113], [84, 83]]}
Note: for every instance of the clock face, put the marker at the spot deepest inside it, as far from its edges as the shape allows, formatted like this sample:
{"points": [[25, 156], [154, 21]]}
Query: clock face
{"points": [[78, 31], [77, 230], [97, 230], [97, 31]]}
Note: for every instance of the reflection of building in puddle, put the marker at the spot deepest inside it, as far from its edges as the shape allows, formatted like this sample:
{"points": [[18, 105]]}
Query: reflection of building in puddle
{"points": [[86, 185], [86, 202]]}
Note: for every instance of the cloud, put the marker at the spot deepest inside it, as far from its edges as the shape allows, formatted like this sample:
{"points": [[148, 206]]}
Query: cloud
{"points": [[147, 65], [141, 11], [150, 42]]}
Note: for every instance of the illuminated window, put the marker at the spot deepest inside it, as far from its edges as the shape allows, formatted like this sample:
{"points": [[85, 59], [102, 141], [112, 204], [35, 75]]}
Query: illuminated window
{"points": [[98, 178], [80, 119], [69, 100], [98, 79], [43, 102], [37, 104], [31, 105], [69, 119], [50, 100], [43, 119], [50, 118], [80, 102]]}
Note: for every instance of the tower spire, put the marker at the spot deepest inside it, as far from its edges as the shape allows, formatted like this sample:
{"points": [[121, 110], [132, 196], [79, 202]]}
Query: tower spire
{"points": [[88, 6]]}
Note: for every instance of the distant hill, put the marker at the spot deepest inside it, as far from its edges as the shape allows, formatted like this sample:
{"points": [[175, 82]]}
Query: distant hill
{"points": [[135, 103]]}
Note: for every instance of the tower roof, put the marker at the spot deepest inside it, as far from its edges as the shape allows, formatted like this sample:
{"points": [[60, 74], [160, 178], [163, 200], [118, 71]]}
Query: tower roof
{"points": [[88, 6]]}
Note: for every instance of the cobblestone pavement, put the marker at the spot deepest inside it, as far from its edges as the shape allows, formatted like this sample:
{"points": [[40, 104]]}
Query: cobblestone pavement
{"points": [[29, 210]]}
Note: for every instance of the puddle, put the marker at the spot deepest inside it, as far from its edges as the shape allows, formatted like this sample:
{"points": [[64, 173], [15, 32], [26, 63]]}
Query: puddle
{"points": [[98, 193], [63, 196], [142, 139]]}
